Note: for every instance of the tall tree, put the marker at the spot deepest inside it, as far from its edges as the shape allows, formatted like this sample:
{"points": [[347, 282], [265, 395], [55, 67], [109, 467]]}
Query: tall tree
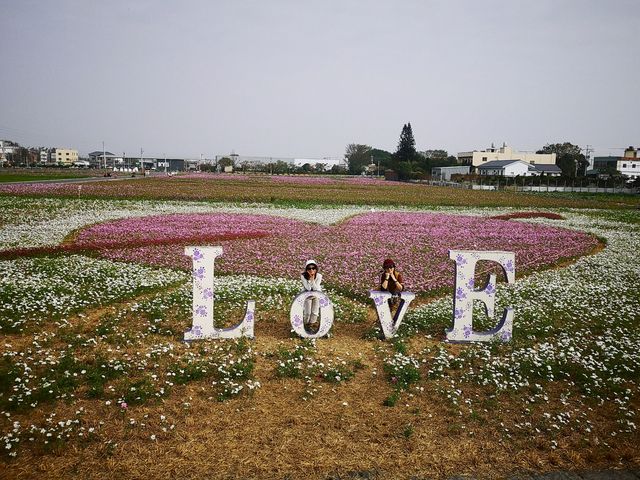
{"points": [[406, 145], [568, 158], [358, 157]]}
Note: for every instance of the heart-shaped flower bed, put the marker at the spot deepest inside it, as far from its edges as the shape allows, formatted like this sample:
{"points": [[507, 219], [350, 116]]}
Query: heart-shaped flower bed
{"points": [[349, 254]]}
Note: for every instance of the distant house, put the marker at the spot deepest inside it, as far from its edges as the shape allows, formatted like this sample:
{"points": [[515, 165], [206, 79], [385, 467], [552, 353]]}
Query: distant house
{"points": [[629, 165], [514, 168], [101, 159]]}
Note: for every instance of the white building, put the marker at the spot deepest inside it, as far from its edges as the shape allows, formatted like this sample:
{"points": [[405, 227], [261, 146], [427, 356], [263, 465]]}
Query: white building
{"points": [[7, 147], [514, 168], [629, 165], [477, 158], [48, 156]]}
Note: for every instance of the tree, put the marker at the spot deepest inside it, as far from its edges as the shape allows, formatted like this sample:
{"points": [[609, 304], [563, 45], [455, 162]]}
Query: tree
{"points": [[406, 145], [435, 158], [279, 167], [21, 157], [568, 158], [382, 158], [338, 169], [357, 157], [406, 154], [225, 162]]}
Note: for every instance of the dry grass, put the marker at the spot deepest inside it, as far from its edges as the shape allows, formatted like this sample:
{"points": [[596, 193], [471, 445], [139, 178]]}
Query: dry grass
{"points": [[342, 432]]}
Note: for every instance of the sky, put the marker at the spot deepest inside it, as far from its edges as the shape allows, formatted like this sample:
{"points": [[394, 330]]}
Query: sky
{"points": [[296, 78]]}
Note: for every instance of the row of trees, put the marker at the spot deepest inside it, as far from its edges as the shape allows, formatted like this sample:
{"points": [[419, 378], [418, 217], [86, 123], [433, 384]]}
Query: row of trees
{"points": [[406, 161], [278, 167]]}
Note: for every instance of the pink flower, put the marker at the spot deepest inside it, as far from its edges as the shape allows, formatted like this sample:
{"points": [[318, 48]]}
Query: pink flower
{"points": [[349, 254]]}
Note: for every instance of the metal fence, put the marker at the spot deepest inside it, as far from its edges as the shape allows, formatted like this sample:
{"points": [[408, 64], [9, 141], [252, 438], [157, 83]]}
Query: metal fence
{"points": [[549, 186]]}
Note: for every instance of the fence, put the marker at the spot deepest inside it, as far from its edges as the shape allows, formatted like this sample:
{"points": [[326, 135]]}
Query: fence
{"points": [[549, 186], [572, 188]]}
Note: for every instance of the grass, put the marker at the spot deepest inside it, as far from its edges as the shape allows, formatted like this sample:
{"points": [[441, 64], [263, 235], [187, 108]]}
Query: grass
{"points": [[31, 175]]}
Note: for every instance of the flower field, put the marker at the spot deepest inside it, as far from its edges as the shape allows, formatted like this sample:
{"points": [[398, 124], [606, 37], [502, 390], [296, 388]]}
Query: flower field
{"points": [[306, 191], [95, 381], [350, 253]]}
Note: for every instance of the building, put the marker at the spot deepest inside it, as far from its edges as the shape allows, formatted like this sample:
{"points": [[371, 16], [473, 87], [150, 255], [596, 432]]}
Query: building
{"points": [[7, 147], [515, 168], [171, 165], [549, 170], [477, 158], [628, 165], [100, 159], [64, 156], [444, 173], [602, 164], [45, 156]]}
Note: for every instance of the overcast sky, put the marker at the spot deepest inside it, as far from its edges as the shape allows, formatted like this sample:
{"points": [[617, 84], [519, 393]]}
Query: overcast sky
{"points": [[298, 78]]}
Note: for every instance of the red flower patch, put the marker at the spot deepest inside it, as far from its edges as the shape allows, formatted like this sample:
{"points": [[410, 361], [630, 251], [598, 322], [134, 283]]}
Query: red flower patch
{"points": [[509, 216]]}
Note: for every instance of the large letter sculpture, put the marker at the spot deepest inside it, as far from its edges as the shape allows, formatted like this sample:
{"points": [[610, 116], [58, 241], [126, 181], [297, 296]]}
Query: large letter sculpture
{"points": [[326, 314], [203, 297], [465, 294], [390, 325]]}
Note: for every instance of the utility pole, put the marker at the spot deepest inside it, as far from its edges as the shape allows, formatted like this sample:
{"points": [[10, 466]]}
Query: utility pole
{"points": [[104, 156], [142, 161], [165, 163]]}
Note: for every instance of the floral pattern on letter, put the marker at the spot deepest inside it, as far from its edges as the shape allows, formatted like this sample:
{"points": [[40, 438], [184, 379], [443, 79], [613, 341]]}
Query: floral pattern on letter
{"points": [[465, 295]]}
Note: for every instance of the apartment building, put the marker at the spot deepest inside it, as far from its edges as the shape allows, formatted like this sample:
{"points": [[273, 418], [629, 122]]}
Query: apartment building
{"points": [[64, 156]]}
